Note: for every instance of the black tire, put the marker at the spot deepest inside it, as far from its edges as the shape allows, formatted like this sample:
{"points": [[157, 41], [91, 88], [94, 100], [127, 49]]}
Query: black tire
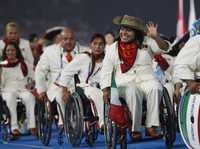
{"points": [[21, 113], [74, 119], [44, 122], [113, 135], [89, 134], [5, 128], [123, 139], [37, 117], [167, 118], [110, 129], [5, 132], [60, 130]]}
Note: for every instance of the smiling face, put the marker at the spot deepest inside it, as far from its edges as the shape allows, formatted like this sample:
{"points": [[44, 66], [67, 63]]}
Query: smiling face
{"points": [[126, 34], [97, 46], [11, 53]]}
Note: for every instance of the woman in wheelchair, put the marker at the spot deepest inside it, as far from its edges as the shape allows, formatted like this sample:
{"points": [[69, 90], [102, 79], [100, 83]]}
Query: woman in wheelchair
{"points": [[88, 67], [130, 58], [14, 79]]}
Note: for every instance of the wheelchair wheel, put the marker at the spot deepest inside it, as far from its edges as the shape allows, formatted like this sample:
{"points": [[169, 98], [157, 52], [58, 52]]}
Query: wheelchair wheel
{"points": [[5, 124], [44, 121], [167, 119], [74, 119], [56, 117], [121, 132], [21, 116], [91, 134], [113, 134], [5, 132], [110, 132]]}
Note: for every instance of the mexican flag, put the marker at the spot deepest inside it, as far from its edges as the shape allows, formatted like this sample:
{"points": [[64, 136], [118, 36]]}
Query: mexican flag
{"points": [[118, 112], [114, 95]]}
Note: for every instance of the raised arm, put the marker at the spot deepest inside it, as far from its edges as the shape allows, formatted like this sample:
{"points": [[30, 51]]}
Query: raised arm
{"points": [[152, 31]]}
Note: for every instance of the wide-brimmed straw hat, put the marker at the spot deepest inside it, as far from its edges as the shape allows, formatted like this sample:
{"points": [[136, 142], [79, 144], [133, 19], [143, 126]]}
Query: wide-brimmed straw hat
{"points": [[130, 21]]}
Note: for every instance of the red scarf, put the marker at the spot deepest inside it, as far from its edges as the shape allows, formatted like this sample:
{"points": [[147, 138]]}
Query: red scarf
{"points": [[127, 55], [162, 62], [23, 66], [7, 41], [68, 56]]}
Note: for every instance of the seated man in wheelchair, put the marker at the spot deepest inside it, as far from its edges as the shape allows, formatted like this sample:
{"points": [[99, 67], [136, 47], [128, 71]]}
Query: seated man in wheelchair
{"points": [[186, 65], [187, 68], [130, 58], [49, 67], [88, 67], [14, 82]]}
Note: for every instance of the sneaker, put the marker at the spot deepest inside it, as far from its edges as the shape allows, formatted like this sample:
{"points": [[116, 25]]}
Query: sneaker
{"points": [[16, 134], [136, 135], [33, 131]]}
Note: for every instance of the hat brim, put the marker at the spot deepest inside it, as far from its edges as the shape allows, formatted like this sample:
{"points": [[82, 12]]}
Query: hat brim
{"points": [[51, 33], [118, 19]]}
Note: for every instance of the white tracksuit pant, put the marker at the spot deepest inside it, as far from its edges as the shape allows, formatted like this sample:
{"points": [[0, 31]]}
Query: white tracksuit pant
{"points": [[134, 94], [133, 97], [29, 101], [152, 90], [97, 96], [55, 93]]}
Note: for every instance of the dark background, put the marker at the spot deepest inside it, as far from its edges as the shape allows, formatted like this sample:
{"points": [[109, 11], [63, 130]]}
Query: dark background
{"points": [[89, 16]]}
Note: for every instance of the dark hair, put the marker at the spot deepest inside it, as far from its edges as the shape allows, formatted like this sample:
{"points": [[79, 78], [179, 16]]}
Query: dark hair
{"points": [[18, 51], [97, 35], [139, 37], [32, 37]]}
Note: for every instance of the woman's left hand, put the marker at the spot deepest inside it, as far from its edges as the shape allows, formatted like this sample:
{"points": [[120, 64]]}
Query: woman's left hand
{"points": [[152, 29]]}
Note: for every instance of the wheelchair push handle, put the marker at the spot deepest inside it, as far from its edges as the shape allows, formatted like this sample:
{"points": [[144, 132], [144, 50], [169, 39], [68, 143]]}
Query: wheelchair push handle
{"points": [[106, 95]]}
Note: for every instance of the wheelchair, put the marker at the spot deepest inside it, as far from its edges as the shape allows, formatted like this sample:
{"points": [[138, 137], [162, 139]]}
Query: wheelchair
{"points": [[81, 119], [46, 115], [5, 126], [189, 119], [5, 129], [114, 133]]}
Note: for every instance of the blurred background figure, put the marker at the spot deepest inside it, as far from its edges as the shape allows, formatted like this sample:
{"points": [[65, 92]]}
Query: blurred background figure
{"points": [[109, 37], [52, 35], [36, 44], [195, 29], [12, 34]]}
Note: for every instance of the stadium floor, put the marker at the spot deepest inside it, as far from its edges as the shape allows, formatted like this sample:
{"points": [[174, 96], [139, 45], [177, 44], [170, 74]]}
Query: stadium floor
{"points": [[30, 142]]}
